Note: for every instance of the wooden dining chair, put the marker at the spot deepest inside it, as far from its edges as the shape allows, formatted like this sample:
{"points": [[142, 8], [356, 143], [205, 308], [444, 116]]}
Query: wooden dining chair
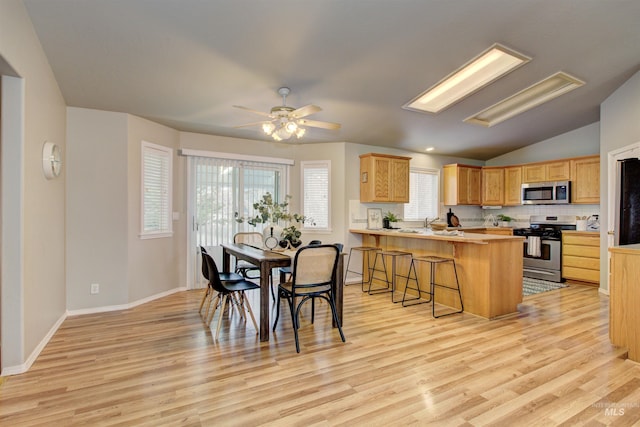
{"points": [[313, 276], [228, 292], [253, 238]]}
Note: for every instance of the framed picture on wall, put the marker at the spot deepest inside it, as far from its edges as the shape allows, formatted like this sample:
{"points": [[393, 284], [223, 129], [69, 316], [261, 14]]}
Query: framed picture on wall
{"points": [[374, 219]]}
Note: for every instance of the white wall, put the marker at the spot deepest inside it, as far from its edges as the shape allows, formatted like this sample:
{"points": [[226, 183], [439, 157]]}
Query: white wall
{"points": [[619, 127], [103, 212], [154, 266], [97, 212], [40, 253], [584, 141]]}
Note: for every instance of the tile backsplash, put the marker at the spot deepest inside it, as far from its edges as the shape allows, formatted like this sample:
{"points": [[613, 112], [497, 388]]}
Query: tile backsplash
{"points": [[471, 216]]}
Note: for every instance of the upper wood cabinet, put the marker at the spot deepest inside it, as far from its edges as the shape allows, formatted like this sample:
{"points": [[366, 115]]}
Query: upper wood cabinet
{"points": [[493, 186], [585, 180], [462, 185], [513, 185], [547, 171], [384, 178]]}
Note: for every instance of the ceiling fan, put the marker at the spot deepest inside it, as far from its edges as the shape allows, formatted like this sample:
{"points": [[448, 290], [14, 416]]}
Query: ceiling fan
{"points": [[285, 121]]}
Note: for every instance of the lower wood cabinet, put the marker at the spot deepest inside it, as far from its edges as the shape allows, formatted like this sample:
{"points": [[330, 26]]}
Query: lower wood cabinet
{"points": [[624, 299], [581, 256]]}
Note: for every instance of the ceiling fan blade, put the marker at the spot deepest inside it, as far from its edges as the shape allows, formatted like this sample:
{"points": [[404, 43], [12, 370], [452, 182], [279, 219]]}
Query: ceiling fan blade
{"points": [[262, 113], [305, 111], [317, 124], [253, 124]]}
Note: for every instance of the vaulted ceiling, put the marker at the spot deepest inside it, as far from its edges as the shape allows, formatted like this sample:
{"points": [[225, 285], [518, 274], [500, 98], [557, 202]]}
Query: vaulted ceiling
{"points": [[185, 63]]}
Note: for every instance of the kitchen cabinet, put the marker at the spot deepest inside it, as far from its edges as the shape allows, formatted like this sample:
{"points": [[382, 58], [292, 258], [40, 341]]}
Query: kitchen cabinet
{"points": [[513, 185], [462, 184], [624, 299], [493, 186], [547, 171], [384, 178], [585, 180], [581, 256]]}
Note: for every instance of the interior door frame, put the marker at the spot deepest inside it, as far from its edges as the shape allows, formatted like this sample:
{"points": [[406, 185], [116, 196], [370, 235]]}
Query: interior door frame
{"points": [[632, 150]]}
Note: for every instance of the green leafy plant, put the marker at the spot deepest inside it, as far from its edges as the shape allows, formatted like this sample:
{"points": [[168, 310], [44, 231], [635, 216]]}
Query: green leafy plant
{"points": [[504, 218], [391, 217], [270, 211], [292, 234]]}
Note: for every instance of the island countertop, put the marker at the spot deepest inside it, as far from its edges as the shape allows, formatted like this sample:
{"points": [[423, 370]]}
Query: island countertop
{"points": [[489, 266], [466, 237]]}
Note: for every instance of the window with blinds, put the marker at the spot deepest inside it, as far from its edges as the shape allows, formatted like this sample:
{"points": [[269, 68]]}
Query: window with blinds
{"points": [[316, 193], [423, 195], [223, 187], [156, 209]]}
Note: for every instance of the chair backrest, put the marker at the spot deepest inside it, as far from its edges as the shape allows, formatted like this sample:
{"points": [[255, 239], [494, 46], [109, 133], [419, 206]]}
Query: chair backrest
{"points": [[340, 246], [252, 238], [214, 274], [315, 266], [205, 267], [315, 242]]}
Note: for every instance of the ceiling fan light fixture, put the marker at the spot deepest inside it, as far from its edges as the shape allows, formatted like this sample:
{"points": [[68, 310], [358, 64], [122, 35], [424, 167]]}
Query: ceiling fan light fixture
{"points": [[536, 94], [291, 127], [300, 132], [268, 128], [481, 71]]}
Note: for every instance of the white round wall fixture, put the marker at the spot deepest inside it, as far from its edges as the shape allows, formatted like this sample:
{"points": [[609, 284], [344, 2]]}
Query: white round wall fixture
{"points": [[51, 160]]}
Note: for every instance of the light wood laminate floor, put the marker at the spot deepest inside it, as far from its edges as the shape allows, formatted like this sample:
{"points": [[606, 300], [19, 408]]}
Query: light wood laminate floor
{"points": [[550, 364]]}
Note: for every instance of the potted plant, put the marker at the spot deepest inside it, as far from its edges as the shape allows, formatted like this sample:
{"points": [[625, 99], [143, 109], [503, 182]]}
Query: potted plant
{"points": [[505, 220], [290, 237], [389, 217]]}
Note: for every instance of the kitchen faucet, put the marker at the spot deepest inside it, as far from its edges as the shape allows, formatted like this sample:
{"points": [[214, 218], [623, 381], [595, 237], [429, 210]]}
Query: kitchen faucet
{"points": [[428, 223]]}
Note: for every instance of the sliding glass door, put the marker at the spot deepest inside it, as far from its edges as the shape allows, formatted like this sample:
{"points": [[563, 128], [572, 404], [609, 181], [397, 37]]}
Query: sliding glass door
{"points": [[218, 190]]}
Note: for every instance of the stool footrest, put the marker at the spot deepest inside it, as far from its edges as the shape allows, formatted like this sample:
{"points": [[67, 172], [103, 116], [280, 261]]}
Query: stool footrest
{"points": [[413, 276]]}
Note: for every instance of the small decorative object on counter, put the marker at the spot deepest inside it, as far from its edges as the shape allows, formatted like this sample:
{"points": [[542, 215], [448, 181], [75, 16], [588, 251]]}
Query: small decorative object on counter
{"points": [[581, 223], [389, 217], [504, 219]]}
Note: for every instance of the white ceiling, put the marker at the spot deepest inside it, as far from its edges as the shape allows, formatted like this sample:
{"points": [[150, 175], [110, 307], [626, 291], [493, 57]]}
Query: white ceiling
{"points": [[184, 63]]}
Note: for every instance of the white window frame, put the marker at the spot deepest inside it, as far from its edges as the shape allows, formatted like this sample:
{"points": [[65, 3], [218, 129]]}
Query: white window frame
{"points": [[166, 218], [326, 164], [436, 196]]}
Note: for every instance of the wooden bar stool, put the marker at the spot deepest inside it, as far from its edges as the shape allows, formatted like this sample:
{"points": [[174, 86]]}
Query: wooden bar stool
{"points": [[433, 261], [366, 252], [391, 285]]}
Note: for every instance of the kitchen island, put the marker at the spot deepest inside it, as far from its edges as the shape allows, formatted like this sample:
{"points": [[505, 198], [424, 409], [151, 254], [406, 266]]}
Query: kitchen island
{"points": [[489, 266]]}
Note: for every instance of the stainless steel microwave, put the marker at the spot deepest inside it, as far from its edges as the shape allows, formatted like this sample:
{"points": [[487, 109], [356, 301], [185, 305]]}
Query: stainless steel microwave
{"points": [[546, 193]]}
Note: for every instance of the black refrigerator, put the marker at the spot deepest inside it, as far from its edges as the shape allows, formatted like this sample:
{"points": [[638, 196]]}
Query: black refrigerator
{"points": [[627, 230]]}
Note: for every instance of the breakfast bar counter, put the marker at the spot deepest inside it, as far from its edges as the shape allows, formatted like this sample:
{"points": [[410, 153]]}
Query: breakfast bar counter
{"points": [[489, 266]]}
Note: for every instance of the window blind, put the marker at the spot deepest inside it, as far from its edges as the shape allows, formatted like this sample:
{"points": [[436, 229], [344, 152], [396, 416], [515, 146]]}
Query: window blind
{"points": [[316, 193], [423, 195], [156, 190]]}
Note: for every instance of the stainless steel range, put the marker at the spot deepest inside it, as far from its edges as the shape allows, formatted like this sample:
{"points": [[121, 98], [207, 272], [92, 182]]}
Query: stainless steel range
{"points": [[542, 250]]}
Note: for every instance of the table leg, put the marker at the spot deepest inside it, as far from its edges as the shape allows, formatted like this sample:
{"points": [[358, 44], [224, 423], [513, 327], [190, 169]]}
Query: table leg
{"points": [[338, 289], [226, 261], [265, 284]]}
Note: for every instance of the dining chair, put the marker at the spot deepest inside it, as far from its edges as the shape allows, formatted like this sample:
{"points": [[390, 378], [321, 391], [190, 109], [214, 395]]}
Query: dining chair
{"points": [[228, 292], [313, 275], [252, 238], [225, 277]]}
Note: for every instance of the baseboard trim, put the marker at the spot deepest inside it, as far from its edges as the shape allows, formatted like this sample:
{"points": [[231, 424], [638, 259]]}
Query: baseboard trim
{"points": [[107, 308], [24, 367]]}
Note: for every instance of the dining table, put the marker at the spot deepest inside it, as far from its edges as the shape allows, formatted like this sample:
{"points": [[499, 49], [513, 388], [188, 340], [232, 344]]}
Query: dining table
{"points": [[267, 260]]}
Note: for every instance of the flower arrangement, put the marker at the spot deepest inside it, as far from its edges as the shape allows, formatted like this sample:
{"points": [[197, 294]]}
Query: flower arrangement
{"points": [[270, 211]]}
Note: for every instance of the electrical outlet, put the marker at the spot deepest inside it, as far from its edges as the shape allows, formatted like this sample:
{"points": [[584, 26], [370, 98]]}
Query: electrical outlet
{"points": [[95, 288]]}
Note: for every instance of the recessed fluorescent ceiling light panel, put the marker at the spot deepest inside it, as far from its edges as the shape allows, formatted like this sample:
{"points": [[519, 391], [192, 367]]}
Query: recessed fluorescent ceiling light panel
{"points": [[541, 92], [484, 69]]}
